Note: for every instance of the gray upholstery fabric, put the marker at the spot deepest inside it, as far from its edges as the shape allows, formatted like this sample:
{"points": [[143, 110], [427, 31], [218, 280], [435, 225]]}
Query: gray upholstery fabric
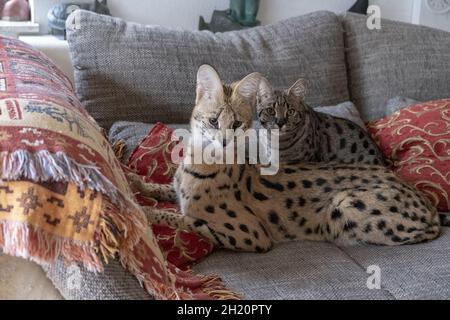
{"points": [[294, 270], [345, 110], [115, 283], [127, 71], [310, 270], [419, 271], [397, 103], [398, 60]]}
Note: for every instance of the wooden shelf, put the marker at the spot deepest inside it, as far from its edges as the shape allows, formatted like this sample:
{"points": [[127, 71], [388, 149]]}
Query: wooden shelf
{"points": [[14, 28]]}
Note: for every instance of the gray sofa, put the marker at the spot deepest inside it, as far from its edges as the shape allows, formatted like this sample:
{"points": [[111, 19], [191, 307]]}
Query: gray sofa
{"points": [[129, 72]]}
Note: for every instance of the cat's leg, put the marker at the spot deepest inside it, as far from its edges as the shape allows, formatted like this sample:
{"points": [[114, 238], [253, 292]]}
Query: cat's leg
{"points": [[382, 217], [164, 192], [183, 223], [247, 235], [250, 237]]}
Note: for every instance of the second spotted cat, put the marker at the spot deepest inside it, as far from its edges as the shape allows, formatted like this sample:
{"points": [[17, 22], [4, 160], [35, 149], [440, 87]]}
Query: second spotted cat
{"points": [[310, 136]]}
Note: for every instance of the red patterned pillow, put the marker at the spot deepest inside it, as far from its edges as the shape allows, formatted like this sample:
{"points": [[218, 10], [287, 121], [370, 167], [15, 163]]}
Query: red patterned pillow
{"points": [[417, 141], [152, 160]]}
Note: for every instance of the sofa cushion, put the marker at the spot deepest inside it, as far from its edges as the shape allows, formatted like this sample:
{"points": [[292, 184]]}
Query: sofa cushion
{"points": [[131, 134], [420, 271], [127, 71], [345, 110], [399, 59], [293, 270], [24, 280], [397, 103], [77, 283], [318, 270]]}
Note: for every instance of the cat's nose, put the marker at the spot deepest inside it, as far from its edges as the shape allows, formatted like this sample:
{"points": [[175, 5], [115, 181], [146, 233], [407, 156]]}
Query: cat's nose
{"points": [[281, 123], [237, 124]]}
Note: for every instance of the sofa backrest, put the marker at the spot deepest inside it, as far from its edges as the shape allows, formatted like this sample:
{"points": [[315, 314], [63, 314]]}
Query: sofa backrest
{"points": [[400, 59], [127, 71]]}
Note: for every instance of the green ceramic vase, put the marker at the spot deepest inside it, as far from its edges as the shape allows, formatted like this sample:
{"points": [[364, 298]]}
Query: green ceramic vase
{"points": [[244, 11]]}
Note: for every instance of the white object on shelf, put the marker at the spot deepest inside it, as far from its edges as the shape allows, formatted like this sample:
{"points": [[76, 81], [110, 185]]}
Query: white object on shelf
{"points": [[55, 48], [438, 6]]}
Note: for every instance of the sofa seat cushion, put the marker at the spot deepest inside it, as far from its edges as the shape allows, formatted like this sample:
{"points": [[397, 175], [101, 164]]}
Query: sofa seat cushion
{"points": [[127, 71], [293, 270], [24, 280], [419, 271], [318, 270]]}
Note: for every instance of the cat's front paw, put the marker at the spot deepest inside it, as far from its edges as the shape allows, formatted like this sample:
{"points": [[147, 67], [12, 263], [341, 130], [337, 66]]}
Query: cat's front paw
{"points": [[135, 181]]}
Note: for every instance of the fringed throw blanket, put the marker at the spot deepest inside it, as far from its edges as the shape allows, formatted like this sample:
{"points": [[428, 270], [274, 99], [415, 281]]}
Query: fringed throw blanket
{"points": [[62, 191]]}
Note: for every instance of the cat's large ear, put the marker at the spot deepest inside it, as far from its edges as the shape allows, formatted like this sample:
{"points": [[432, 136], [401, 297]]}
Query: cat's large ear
{"points": [[298, 90], [248, 87], [209, 85], [265, 90]]}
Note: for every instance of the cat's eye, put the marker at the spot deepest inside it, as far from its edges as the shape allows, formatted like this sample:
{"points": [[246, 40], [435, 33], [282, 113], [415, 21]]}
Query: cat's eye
{"points": [[213, 121], [291, 112], [270, 111]]}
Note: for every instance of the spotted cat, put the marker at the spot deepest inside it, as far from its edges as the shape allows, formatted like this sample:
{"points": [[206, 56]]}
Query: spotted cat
{"points": [[237, 208], [312, 136]]}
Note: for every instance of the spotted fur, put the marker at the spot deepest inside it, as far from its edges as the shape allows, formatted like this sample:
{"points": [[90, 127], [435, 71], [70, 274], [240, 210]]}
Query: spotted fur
{"points": [[237, 208], [312, 136]]}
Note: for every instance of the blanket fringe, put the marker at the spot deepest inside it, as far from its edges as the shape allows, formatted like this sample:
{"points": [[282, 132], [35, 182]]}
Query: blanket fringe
{"points": [[119, 149], [186, 284], [121, 224], [25, 241], [120, 231], [117, 233], [42, 166], [215, 288]]}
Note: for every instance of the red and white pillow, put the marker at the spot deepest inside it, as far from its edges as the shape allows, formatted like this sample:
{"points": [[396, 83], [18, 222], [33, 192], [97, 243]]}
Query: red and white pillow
{"points": [[417, 141], [152, 160]]}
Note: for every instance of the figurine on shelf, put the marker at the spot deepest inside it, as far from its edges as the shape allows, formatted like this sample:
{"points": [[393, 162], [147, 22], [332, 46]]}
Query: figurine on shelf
{"points": [[58, 15], [244, 11], [15, 10], [241, 15]]}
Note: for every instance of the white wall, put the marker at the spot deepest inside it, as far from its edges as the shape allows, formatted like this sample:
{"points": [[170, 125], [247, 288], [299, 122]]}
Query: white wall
{"points": [[400, 10], [275, 10], [185, 13], [413, 11], [172, 13], [441, 21]]}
